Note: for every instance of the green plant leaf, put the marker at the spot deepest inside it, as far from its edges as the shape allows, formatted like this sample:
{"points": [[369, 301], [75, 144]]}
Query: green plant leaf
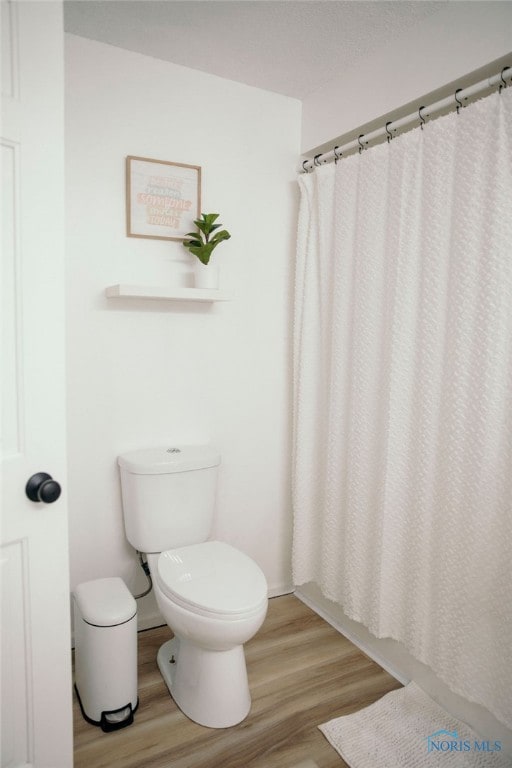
{"points": [[203, 253], [220, 236], [194, 241], [203, 226]]}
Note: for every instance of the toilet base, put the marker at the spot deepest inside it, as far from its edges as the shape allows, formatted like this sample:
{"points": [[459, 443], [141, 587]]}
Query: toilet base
{"points": [[210, 687]]}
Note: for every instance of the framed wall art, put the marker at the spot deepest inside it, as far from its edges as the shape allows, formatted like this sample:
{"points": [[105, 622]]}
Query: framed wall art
{"points": [[162, 198]]}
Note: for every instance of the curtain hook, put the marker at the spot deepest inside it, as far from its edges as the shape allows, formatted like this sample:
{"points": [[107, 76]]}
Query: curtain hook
{"points": [[315, 159], [421, 116], [336, 156], [390, 135], [459, 102], [503, 83], [361, 147]]}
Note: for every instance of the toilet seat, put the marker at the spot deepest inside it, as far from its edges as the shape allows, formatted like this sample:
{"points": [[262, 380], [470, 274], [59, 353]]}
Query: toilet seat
{"points": [[212, 579]]}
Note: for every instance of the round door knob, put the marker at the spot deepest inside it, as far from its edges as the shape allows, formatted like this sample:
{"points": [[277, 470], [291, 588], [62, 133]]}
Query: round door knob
{"points": [[42, 487]]}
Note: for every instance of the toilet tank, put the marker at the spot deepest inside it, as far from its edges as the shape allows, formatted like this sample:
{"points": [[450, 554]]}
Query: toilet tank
{"points": [[168, 495]]}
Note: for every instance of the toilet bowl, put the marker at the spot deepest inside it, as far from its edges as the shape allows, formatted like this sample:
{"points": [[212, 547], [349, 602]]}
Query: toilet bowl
{"points": [[214, 598]]}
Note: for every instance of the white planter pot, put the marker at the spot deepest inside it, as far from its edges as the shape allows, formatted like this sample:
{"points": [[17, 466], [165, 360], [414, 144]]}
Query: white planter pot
{"points": [[206, 275]]}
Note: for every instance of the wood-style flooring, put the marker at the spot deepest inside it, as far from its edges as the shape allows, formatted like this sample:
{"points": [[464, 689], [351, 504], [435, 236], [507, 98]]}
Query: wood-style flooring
{"points": [[302, 672]]}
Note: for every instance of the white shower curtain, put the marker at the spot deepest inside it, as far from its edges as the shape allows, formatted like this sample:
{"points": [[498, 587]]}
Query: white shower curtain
{"points": [[402, 468]]}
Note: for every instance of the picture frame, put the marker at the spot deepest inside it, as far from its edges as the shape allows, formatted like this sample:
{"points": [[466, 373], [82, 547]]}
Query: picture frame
{"points": [[162, 198]]}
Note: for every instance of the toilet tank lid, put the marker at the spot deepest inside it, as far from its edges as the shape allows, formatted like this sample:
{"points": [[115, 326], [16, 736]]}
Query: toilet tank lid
{"points": [[166, 459]]}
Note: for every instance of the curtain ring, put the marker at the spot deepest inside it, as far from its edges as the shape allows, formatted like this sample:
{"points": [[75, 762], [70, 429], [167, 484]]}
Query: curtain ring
{"points": [[305, 162], [336, 156], [503, 83], [315, 159], [390, 135], [421, 117], [361, 147], [459, 102]]}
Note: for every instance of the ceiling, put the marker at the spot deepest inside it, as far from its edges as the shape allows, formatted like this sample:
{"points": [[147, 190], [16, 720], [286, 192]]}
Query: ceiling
{"points": [[286, 46]]}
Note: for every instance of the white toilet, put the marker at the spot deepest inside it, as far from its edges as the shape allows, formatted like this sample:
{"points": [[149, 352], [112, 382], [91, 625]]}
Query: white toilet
{"points": [[213, 596]]}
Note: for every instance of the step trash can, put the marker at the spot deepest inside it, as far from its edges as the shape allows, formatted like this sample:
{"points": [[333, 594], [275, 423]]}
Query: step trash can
{"points": [[106, 652]]}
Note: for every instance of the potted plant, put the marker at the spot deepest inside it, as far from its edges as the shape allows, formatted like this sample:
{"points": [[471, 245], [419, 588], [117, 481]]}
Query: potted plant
{"points": [[201, 244]]}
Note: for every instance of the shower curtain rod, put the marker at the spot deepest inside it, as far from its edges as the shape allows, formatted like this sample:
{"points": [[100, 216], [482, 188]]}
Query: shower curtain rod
{"points": [[460, 95]]}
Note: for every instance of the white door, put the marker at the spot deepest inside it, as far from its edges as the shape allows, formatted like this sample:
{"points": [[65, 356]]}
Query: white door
{"points": [[36, 714]]}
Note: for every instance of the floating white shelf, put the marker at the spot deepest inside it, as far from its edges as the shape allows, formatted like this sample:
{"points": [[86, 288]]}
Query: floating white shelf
{"points": [[164, 294]]}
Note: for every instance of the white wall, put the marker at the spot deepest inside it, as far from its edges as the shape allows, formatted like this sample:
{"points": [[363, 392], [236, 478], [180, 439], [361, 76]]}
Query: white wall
{"points": [[143, 373], [446, 46]]}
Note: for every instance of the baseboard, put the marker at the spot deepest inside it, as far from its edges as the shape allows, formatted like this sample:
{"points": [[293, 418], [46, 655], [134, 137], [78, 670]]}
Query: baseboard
{"points": [[151, 621], [283, 589], [393, 657]]}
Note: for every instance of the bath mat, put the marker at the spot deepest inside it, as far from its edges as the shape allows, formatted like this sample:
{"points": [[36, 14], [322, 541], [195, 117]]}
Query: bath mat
{"points": [[406, 729]]}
